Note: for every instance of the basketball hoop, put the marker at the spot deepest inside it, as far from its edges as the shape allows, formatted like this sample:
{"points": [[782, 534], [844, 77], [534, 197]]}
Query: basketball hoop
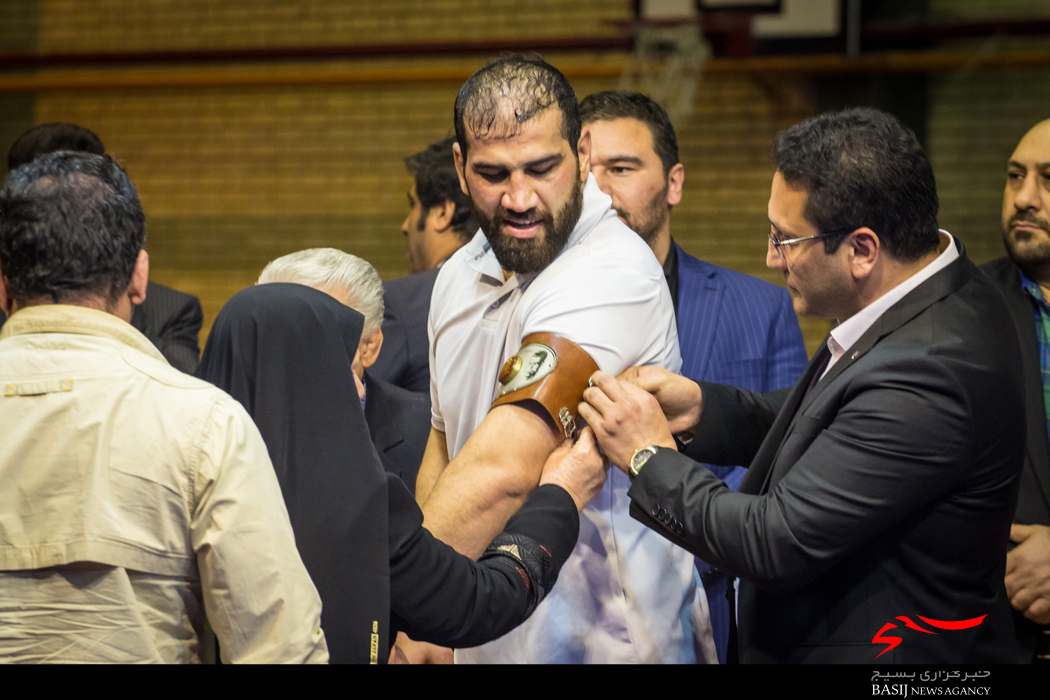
{"points": [[667, 63]]}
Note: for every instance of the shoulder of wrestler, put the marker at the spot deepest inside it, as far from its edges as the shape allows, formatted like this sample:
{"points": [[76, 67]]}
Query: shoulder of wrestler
{"points": [[612, 262]]}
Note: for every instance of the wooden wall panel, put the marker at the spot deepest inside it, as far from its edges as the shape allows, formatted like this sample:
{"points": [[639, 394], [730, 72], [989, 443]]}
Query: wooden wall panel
{"points": [[232, 178], [127, 25]]}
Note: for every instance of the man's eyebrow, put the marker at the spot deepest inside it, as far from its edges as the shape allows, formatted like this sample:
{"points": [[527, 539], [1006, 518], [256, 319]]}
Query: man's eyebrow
{"points": [[1039, 166], [552, 159], [628, 160], [780, 232], [481, 165]]}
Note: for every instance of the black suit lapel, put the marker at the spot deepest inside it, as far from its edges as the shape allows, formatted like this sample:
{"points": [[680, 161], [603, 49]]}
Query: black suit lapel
{"points": [[758, 472]]}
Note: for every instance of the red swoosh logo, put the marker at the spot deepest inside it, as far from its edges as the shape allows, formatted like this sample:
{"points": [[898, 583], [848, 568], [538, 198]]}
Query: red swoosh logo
{"points": [[894, 642], [953, 625], [913, 626]]}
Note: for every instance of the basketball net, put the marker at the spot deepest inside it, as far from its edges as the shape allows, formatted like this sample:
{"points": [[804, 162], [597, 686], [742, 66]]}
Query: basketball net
{"points": [[666, 65]]}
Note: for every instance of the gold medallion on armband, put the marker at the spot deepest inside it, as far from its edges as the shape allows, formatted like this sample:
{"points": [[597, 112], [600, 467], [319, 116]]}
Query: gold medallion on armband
{"points": [[550, 370]]}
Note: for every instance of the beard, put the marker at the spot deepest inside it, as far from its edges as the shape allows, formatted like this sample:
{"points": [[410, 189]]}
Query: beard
{"points": [[651, 220], [528, 255], [1027, 248]]}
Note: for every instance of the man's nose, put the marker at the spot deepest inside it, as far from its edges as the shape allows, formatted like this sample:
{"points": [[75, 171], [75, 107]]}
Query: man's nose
{"points": [[520, 195], [773, 259], [1029, 196], [602, 180]]}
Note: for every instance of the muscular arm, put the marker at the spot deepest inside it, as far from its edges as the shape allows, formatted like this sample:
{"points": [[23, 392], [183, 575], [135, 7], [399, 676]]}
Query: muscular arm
{"points": [[435, 459], [489, 479]]}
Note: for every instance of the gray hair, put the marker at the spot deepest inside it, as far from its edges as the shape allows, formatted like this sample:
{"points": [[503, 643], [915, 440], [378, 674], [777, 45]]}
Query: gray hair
{"points": [[336, 271]]}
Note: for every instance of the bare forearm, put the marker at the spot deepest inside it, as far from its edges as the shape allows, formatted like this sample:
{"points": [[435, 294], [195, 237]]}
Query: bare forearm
{"points": [[435, 459], [489, 479]]}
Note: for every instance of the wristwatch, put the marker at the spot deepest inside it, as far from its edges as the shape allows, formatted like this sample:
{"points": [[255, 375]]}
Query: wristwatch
{"points": [[638, 460]]}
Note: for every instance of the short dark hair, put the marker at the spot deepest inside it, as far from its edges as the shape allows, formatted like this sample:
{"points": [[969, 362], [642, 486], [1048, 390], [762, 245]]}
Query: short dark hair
{"points": [[437, 182], [70, 224], [525, 81], [862, 167], [620, 104], [57, 136]]}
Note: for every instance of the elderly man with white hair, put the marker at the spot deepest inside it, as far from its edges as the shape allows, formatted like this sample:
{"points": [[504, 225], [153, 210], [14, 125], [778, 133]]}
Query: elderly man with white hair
{"points": [[398, 420]]}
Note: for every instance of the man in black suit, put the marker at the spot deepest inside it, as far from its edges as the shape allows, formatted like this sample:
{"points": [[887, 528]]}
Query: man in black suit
{"points": [[398, 419], [873, 520], [440, 221], [170, 319], [1024, 279]]}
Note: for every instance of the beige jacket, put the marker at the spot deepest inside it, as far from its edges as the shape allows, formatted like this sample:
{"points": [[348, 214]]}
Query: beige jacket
{"points": [[135, 499]]}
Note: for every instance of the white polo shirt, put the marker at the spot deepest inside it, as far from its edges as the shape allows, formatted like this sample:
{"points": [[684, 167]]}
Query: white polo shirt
{"points": [[626, 595]]}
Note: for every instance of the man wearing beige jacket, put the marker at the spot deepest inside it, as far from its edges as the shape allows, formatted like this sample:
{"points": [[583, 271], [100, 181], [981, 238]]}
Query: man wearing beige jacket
{"points": [[137, 502]]}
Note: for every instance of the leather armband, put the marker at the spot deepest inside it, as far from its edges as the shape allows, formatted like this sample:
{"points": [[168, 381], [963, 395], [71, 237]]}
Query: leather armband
{"points": [[551, 370]]}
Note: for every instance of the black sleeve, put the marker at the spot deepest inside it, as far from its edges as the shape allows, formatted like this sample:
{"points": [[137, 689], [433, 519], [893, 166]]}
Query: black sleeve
{"points": [[440, 596], [734, 424], [892, 449]]}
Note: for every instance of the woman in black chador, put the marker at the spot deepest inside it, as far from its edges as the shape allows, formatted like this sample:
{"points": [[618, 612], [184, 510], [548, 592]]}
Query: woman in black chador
{"points": [[284, 351]]}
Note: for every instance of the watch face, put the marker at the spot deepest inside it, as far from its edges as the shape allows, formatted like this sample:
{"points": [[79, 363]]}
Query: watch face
{"points": [[640, 458]]}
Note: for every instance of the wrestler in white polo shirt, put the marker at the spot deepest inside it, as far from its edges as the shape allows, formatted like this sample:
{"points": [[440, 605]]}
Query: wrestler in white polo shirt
{"points": [[561, 264]]}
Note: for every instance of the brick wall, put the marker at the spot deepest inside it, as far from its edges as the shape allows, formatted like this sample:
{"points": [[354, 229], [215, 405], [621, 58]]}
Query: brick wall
{"points": [[233, 177]]}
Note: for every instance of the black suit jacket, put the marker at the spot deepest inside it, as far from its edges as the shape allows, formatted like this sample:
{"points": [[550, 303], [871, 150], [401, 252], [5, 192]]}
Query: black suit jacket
{"points": [[171, 320], [404, 360], [1033, 503], [886, 491], [399, 423]]}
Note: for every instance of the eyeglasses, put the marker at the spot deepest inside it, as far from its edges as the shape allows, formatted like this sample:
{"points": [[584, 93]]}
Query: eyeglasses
{"points": [[796, 241]]}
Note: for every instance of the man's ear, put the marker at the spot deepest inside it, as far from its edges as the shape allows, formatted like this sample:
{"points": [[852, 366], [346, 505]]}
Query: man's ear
{"points": [[139, 279], [370, 347], [583, 150], [5, 295], [461, 167], [675, 179], [865, 249], [442, 215]]}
